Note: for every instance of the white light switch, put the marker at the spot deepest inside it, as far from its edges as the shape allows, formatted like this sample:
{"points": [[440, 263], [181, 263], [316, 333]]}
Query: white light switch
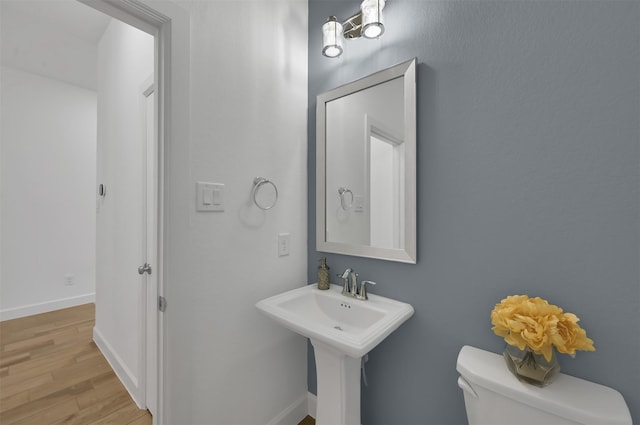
{"points": [[209, 196], [217, 196]]}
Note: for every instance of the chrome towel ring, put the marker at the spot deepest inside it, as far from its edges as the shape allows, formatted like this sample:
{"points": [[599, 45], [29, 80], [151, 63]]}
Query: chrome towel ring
{"points": [[258, 182], [343, 192]]}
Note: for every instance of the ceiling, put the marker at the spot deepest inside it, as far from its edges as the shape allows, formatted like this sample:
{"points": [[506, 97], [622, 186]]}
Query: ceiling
{"points": [[52, 38], [68, 16]]}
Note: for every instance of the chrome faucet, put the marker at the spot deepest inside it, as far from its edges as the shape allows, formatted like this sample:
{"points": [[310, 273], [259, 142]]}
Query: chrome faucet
{"points": [[350, 285], [346, 286]]}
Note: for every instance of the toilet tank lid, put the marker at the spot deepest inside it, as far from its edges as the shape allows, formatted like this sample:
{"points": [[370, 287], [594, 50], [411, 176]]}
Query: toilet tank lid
{"points": [[568, 397]]}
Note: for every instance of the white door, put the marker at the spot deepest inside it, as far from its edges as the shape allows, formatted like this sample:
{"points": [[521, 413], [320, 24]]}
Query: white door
{"points": [[151, 243], [124, 228]]}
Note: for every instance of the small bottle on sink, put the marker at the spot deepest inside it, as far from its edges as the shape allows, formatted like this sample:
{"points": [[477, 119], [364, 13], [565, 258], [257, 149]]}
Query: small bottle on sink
{"points": [[323, 274]]}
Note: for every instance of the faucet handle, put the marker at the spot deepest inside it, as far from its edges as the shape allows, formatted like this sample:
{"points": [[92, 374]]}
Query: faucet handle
{"points": [[363, 289]]}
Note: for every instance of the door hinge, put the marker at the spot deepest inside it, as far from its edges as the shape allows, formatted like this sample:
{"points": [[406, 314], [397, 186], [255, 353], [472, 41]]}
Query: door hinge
{"points": [[162, 304]]}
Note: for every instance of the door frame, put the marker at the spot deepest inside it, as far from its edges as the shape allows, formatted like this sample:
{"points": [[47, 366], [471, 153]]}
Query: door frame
{"points": [[169, 24]]}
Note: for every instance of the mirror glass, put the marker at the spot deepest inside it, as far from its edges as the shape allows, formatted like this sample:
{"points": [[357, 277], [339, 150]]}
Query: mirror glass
{"points": [[366, 178]]}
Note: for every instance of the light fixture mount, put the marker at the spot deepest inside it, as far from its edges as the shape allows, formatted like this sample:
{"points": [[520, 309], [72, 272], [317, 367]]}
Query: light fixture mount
{"points": [[353, 26]]}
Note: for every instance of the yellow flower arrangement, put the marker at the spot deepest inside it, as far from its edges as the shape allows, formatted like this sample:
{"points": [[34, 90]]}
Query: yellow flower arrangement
{"points": [[540, 326]]}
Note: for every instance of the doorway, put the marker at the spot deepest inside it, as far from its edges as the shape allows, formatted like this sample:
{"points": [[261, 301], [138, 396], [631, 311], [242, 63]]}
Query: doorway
{"points": [[384, 184], [125, 212], [169, 24]]}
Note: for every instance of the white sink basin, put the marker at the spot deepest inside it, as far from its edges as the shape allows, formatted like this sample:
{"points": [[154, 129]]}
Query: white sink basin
{"points": [[353, 327], [341, 330]]}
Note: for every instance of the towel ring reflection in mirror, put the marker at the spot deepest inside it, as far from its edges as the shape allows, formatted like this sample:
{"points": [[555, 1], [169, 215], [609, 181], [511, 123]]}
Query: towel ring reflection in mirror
{"points": [[258, 182], [344, 192]]}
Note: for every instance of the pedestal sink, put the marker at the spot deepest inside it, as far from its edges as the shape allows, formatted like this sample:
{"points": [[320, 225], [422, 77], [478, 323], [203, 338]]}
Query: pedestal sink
{"points": [[342, 330]]}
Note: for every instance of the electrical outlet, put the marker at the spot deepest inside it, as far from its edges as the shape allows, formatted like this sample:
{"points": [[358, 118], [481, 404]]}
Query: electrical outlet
{"points": [[358, 202], [284, 242], [69, 279]]}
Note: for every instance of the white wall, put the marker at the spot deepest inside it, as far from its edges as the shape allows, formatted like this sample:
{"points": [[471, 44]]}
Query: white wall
{"points": [[125, 61], [48, 138], [226, 363]]}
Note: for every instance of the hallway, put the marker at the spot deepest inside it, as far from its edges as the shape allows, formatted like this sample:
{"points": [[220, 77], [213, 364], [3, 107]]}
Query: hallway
{"points": [[51, 372]]}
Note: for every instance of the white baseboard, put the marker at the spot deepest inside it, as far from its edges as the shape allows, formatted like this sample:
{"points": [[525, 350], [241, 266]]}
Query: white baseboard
{"points": [[31, 309], [312, 404], [129, 381], [292, 414]]}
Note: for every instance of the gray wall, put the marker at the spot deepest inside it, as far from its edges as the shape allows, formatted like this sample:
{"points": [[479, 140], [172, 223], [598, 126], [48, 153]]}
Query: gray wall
{"points": [[528, 182]]}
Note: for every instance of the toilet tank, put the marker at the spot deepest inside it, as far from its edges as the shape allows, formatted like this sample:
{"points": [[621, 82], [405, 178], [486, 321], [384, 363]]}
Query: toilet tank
{"points": [[492, 395]]}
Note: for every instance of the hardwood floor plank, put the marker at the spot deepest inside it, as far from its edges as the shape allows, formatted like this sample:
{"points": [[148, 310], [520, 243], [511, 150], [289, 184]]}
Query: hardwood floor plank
{"points": [[91, 352], [13, 401], [72, 375], [29, 343], [17, 328], [52, 372], [104, 408], [308, 420], [102, 389], [87, 369], [36, 366], [11, 385], [120, 416], [9, 359], [58, 413], [33, 407], [22, 334], [50, 350], [142, 420], [65, 332]]}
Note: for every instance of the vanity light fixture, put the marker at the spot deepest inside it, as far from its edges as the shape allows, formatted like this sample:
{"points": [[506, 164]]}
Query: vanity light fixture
{"points": [[332, 38], [368, 23]]}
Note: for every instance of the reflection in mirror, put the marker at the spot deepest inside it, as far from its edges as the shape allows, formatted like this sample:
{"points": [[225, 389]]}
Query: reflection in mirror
{"points": [[366, 166], [362, 151]]}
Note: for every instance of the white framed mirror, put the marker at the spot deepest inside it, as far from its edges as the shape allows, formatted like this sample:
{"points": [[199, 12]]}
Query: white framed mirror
{"points": [[366, 166]]}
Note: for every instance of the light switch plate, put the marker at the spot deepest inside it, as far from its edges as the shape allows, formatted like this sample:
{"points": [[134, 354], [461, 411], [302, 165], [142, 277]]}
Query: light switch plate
{"points": [[284, 244], [209, 196]]}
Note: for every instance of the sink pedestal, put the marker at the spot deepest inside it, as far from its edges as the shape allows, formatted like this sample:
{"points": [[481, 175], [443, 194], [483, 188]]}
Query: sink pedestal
{"points": [[338, 389]]}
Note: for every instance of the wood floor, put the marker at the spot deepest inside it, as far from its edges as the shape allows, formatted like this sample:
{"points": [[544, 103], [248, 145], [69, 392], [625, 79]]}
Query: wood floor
{"points": [[51, 372], [308, 420]]}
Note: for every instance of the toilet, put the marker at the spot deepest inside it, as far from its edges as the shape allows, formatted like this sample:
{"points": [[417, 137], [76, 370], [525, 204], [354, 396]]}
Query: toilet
{"points": [[492, 395]]}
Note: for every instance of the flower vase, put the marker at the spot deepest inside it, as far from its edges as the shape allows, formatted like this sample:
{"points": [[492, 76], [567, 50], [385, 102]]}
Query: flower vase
{"points": [[530, 367]]}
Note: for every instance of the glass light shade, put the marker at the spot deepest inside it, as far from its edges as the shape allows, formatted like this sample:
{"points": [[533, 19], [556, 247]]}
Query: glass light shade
{"points": [[372, 21], [332, 38]]}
